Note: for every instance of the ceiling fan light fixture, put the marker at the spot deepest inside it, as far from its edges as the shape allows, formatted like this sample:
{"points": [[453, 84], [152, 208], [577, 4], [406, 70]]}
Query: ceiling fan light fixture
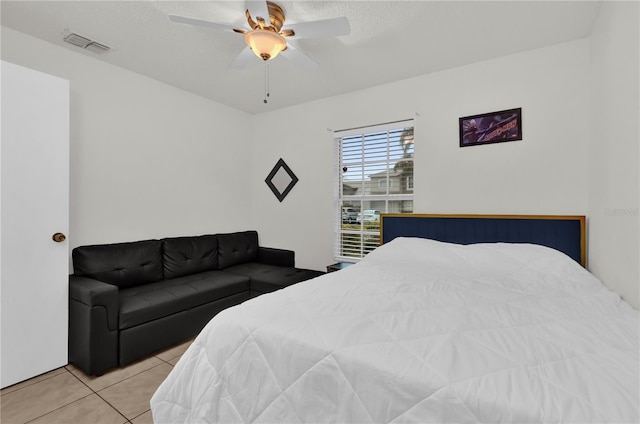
{"points": [[265, 43]]}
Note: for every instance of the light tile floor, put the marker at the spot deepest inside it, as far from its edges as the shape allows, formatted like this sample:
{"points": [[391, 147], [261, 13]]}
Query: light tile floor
{"points": [[68, 396]]}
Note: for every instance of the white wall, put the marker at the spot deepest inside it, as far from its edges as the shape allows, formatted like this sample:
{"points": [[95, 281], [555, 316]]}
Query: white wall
{"points": [[614, 179], [545, 173], [147, 160]]}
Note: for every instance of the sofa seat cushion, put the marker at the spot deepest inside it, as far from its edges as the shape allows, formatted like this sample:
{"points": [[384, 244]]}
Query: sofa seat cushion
{"points": [[268, 278], [148, 302]]}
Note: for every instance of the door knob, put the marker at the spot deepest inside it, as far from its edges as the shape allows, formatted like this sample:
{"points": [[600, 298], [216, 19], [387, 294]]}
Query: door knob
{"points": [[59, 237]]}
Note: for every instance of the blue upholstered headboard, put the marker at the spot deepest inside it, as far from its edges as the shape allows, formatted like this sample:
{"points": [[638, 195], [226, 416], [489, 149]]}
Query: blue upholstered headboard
{"points": [[560, 232]]}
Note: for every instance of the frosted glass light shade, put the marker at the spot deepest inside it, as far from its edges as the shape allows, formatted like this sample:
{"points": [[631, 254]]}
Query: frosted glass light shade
{"points": [[264, 43]]}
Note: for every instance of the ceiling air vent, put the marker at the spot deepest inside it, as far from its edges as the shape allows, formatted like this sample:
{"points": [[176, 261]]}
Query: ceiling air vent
{"points": [[85, 43]]}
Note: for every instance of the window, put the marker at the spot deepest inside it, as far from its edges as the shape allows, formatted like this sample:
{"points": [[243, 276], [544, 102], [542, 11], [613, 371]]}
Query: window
{"points": [[375, 176], [384, 182], [409, 182]]}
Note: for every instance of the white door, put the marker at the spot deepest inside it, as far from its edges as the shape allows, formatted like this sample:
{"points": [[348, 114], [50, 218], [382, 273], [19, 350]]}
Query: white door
{"points": [[34, 153]]}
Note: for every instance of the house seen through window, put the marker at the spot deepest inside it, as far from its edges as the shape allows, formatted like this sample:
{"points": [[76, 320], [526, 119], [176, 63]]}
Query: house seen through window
{"points": [[375, 176]]}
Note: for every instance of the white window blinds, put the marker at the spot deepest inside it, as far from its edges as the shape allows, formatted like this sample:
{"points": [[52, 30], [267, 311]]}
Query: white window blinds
{"points": [[375, 176]]}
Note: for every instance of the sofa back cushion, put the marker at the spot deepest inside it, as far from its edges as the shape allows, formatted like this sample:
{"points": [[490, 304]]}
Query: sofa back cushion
{"points": [[121, 264], [189, 255], [237, 248]]}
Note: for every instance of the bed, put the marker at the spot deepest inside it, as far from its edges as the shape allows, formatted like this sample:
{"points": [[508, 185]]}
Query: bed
{"points": [[453, 319]]}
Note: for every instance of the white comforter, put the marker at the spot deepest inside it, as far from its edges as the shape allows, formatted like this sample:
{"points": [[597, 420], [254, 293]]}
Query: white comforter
{"points": [[419, 331]]}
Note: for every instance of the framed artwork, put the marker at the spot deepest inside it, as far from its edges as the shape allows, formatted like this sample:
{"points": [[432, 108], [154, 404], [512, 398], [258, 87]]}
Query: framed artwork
{"points": [[281, 180], [492, 127]]}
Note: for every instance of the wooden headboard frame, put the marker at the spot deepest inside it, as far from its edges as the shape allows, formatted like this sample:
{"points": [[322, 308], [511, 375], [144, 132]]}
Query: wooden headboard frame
{"points": [[566, 233]]}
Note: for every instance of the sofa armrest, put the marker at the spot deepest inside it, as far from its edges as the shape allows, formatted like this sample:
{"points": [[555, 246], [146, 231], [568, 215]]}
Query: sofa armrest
{"points": [[93, 325], [277, 257], [93, 293]]}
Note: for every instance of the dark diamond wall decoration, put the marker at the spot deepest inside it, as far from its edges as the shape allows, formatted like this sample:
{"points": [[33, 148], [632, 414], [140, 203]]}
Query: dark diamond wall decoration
{"points": [[281, 180]]}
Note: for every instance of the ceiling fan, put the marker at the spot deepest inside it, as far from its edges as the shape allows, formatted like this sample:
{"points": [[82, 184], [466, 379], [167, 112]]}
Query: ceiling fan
{"points": [[268, 36]]}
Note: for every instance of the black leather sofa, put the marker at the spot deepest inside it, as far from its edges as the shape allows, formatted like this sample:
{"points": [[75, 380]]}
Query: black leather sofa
{"points": [[129, 300]]}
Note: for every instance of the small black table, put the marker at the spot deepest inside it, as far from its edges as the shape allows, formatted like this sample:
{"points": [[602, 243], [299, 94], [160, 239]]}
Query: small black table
{"points": [[338, 266]]}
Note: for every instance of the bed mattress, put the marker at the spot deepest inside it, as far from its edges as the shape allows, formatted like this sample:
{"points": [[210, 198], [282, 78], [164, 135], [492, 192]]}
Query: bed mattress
{"points": [[418, 331]]}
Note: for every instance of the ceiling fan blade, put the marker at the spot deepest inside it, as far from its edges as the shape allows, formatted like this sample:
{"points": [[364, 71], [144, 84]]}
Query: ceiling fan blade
{"points": [[296, 55], [198, 22], [324, 28], [258, 9], [243, 58]]}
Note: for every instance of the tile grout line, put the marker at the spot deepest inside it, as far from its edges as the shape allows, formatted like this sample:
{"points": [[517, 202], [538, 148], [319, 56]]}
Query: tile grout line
{"points": [[116, 409], [163, 361], [65, 368], [98, 394], [139, 415], [120, 381], [31, 383], [129, 420], [76, 377], [170, 359], [62, 406], [58, 408]]}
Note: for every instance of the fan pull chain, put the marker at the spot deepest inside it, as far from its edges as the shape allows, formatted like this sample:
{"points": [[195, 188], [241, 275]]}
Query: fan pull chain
{"points": [[266, 82]]}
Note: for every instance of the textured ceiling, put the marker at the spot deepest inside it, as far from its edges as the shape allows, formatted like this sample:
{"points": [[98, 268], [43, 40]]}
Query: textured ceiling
{"points": [[389, 41]]}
